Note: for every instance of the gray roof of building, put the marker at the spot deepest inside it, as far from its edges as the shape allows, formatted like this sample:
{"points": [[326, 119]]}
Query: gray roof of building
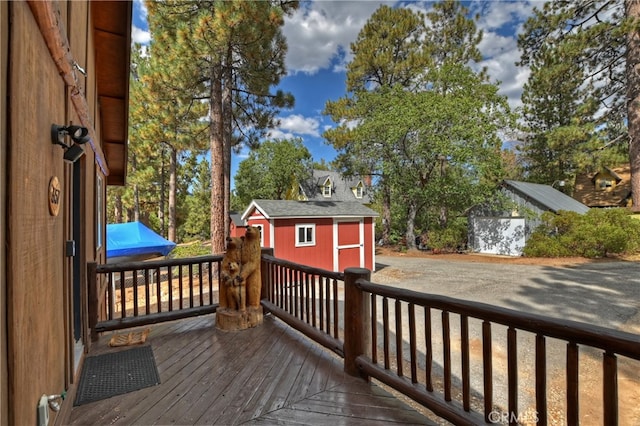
{"points": [[236, 218], [547, 196], [290, 208], [342, 187]]}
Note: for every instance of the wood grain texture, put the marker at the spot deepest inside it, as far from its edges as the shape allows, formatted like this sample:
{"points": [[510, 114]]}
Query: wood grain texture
{"points": [[265, 375]]}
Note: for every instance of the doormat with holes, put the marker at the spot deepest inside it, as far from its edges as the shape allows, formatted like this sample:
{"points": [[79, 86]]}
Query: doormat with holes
{"points": [[132, 338], [116, 373]]}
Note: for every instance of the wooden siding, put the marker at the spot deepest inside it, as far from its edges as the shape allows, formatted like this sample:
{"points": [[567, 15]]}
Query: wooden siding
{"points": [[4, 64], [588, 191], [279, 234], [36, 315], [319, 255], [37, 354], [111, 21]]}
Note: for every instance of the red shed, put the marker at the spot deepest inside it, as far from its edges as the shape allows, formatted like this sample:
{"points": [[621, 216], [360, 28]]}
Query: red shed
{"points": [[236, 225], [331, 235]]}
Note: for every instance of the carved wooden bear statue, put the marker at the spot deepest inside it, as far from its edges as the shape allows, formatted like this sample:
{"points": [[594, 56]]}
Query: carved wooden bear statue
{"points": [[231, 289], [250, 269]]}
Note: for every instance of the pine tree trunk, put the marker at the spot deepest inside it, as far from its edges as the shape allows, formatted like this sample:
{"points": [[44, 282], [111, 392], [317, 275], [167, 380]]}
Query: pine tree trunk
{"points": [[216, 132], [161, 202], [632, 8], [136, 203], [173, 167], [228, 127], [118, 208]]}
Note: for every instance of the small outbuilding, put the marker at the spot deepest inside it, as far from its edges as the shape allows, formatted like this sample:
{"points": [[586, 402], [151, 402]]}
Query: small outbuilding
{"points": [[236, 224], [503, 227], [331, 235]]}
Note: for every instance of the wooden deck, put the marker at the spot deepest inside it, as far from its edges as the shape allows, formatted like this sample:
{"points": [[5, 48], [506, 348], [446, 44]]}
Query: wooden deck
{"points": [[267, 375]]}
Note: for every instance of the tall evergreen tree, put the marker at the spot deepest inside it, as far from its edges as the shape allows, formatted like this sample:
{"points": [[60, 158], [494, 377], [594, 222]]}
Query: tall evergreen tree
{"points": [[601, 37], [230, 53], [387, 52], [431, 134]]}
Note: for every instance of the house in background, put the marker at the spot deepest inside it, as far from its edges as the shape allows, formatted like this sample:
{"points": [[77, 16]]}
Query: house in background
{"points": [[505, 230], [236, 224], [332, 235], [62, 63], [327, 185], [609, 187]]}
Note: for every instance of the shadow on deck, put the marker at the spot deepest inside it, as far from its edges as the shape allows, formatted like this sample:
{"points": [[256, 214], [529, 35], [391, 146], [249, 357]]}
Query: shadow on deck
{"points": [[270, 374]]}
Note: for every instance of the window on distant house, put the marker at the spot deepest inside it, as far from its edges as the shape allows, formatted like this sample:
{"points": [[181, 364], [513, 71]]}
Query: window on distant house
{"points": [[305, 234], [606, 183], [326, 188], [359, 190]]}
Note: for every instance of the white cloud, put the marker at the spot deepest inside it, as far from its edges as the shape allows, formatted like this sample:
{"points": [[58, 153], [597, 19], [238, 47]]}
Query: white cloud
{"points": [[497, 14], [501, 54], [300, 125], [140, 36], [320, 33]]}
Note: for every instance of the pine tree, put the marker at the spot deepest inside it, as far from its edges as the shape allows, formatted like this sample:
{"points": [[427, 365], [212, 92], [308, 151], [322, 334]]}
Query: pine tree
{"points": [[387, 52], [229, 53], [601, 38], [418, 115]]}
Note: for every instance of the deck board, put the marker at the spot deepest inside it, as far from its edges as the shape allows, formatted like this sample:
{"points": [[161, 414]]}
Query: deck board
{"points": [[266, 375]]}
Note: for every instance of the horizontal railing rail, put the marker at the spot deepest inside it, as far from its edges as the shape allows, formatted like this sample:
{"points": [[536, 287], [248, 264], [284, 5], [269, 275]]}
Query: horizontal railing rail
{"points": [[308, 299], [129, 294], [383, 311], [462, 360]]}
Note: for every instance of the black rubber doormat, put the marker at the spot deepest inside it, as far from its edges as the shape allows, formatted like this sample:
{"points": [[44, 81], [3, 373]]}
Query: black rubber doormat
{"points": [[116, 373]]}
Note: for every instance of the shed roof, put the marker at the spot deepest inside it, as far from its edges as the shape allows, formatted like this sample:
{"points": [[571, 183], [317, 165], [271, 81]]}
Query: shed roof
{"points": [[236, 218], [273, 209], [547, 196]]}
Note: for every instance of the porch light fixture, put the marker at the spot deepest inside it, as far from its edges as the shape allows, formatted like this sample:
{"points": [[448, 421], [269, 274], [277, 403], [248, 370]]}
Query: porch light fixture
{"points": [[79, 136]]}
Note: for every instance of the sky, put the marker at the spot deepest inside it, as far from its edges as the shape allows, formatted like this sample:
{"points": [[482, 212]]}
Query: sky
{"points": [[319, 35]]}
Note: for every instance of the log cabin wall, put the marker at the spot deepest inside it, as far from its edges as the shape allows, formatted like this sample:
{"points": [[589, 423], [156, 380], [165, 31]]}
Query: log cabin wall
{"points": [[4, 63], [43, 291], [36, 262]]}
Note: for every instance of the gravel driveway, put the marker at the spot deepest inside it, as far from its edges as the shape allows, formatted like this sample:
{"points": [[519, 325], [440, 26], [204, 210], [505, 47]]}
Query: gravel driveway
{"points": [[602, 293]]}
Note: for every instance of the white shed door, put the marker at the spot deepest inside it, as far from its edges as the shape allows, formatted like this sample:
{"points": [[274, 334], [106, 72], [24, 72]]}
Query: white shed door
{"points": [[504, 236]]}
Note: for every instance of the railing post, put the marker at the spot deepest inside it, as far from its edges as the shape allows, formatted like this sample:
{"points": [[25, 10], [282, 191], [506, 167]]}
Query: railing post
{"points": [[265, 273], [357, 321], [92, 295]]}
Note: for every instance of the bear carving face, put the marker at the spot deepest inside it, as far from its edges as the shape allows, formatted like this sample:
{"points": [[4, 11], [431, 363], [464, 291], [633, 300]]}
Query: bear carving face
{"points": [[234, 268], [252, 233]]}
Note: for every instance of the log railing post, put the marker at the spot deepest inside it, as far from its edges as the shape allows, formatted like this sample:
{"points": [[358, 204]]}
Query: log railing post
{"points": [[265, 273], [357, 321]]}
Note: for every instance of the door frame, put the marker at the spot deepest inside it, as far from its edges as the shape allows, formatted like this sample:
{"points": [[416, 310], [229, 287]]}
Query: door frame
{"points": [[336, 247]]}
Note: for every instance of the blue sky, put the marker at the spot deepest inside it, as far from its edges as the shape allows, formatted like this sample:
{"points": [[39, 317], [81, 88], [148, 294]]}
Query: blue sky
{"points": [[319, 35]]}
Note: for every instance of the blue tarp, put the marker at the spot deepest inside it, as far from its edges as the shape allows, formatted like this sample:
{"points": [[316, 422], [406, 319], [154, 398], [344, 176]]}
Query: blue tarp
{"points": [[134, 241]]}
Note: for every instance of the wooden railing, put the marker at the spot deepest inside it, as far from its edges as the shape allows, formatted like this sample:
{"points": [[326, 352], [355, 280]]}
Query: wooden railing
{"points": [[130, 294], [377, 311], [308, 299], [465, 361]]}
